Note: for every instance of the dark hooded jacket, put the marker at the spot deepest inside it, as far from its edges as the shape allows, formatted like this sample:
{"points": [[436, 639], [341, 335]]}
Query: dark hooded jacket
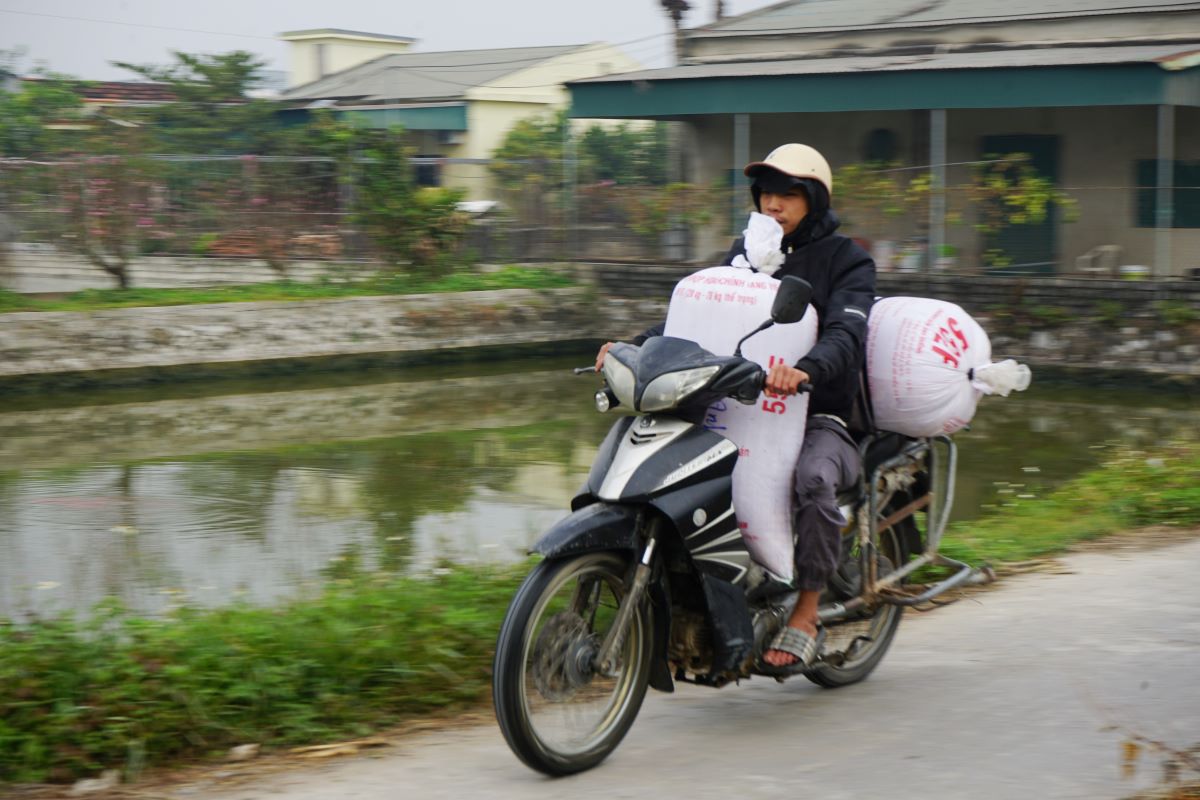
{"points": [[842, 275]]}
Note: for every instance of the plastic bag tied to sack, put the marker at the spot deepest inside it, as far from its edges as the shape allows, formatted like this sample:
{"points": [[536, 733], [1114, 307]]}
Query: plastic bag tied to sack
{"points": [[762, 240], [928, 363], [715, 308]]}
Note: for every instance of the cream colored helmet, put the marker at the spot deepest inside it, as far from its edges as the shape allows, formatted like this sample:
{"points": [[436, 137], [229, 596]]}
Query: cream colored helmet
{"points": [[796, 160]]}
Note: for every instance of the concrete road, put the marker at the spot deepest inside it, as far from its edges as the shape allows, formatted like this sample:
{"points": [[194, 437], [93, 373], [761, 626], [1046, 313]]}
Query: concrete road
{"points": [[1027, 691]]}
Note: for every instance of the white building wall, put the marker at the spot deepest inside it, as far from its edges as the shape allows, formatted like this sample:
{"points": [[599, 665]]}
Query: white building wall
{"points": [[493, 109], [543, 82], [333, 53]]}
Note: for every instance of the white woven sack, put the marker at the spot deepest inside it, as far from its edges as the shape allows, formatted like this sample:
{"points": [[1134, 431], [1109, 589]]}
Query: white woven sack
{"points": [[928, 363], [714, 308]]}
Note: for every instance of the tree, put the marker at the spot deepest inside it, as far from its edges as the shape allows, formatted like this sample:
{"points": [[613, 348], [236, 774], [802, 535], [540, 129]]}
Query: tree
{"points": [[1008, 191], [212, 112], [528, 167], [534, 147], [624, 155], [407, 223], [531, 151], [109, 199], [1002, 192], [26, 116]]}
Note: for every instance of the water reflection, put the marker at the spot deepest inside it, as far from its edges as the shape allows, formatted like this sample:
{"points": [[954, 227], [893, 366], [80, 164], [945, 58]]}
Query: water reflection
{"points": [[260, 495]]}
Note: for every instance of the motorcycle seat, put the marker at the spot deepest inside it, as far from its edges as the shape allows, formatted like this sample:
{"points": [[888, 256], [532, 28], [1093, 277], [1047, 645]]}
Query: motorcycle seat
{"points": [[879, 447], [874, 449]]}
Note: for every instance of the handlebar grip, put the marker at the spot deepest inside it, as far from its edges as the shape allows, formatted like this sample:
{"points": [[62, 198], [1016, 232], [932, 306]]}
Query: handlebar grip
{"points": [[762, 383], [584, 370]]}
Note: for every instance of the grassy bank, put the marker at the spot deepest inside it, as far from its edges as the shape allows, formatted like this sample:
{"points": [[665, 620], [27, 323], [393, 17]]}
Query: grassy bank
{"points": [[1132, 489], [120, 691], [512, 277]]}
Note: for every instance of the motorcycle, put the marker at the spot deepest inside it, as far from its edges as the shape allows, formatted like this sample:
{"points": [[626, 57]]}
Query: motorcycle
{"points": [[648, 581]]}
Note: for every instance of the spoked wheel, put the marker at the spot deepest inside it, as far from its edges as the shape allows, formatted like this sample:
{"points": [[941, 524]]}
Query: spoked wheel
{"points": [[855, 648], [558, 713]]}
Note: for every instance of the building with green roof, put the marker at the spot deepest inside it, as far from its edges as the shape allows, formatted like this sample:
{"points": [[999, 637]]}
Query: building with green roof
{"points": [[1104, 101], [456, 106]]}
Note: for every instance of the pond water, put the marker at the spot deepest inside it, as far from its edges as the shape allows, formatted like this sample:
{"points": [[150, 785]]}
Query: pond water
{"points": [[259, 491]]}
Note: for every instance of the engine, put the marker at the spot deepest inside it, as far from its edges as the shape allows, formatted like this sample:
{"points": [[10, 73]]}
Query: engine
{"points": [[691, 642]]}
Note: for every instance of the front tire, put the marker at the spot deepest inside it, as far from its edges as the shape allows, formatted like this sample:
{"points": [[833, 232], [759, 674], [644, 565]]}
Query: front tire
{"points": [[558, 715]]}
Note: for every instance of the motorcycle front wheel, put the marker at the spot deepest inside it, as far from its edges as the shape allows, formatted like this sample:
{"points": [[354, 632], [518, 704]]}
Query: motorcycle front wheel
{"points": [[558, 713]]}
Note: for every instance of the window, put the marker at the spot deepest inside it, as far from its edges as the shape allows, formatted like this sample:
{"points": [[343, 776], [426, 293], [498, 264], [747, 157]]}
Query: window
{"points": [[428, 173], [880, 146], [1185, 199]]}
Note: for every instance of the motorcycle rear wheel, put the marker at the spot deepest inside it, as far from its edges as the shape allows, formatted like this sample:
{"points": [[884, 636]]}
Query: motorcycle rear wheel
{"points": [[558, 714], [865, 642]]}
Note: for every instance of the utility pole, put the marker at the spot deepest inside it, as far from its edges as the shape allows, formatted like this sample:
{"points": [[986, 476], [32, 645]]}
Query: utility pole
{"points": [[675, 10], [673, 240]]}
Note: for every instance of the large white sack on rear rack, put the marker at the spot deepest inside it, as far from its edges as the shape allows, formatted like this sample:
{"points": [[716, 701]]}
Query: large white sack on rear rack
{"points": [[714, 308], [928, 363]]}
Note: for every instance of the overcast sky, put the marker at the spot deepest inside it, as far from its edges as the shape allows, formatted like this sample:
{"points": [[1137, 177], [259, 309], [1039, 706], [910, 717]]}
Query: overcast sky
{"points": [[81, 37]]}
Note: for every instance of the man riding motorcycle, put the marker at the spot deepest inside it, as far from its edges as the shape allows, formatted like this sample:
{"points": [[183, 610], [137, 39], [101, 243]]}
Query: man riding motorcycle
{"points": [[794, 186]]}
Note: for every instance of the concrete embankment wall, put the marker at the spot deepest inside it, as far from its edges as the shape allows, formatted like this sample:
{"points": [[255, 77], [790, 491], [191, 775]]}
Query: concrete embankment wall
{"points": [[35, 268], [1146, 328], [1151, 328], [138, 345]]}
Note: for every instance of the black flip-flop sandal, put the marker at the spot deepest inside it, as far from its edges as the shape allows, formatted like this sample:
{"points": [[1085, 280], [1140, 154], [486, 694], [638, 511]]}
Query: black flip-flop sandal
{"points": [[799, 644]]}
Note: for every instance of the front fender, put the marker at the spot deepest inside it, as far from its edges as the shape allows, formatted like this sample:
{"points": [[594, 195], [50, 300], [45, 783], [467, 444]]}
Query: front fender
{"points": [[599, 526]]}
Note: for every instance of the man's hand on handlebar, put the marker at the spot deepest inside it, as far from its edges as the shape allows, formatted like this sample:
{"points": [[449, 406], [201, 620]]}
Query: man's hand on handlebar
{"points": [[784, 380], [603, 352]]}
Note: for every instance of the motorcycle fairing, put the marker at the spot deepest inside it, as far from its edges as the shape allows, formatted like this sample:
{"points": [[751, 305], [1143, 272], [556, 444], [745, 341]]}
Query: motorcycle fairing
{"points": [[660, 453], [604, 455], [599, 526], [703, 515]]}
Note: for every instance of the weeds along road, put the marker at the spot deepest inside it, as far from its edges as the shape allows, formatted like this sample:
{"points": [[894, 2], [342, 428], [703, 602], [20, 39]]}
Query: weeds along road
{"points": [[1026, 691]]}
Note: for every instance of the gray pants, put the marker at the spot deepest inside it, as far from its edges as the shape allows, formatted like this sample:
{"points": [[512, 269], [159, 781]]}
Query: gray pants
{"points": [[829, 463]]}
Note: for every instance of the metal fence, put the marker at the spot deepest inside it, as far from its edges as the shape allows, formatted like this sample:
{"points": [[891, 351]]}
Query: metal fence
{"points": [[232, 207], [284, 208], [991, 215]]}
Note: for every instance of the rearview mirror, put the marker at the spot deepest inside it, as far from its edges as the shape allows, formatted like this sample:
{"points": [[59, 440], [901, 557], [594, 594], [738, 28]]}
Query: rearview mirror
{"points": [[791, 300]]}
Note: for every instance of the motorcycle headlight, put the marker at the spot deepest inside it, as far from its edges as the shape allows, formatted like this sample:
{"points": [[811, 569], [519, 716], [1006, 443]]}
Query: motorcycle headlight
{"points": [[620, 379], [666, 391]]}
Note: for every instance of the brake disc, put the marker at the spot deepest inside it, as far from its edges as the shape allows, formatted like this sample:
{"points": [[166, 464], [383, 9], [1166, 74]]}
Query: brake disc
{"points": [[562, 656]]}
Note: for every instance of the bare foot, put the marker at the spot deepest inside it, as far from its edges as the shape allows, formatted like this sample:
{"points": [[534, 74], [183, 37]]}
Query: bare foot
{"points": [[780, 658]]}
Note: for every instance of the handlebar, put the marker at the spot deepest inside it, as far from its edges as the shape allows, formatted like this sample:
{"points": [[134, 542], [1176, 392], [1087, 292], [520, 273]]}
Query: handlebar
{"points": [[803, 388], [584, 370]]}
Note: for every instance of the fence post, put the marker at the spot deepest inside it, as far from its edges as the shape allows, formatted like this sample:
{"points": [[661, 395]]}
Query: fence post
{"points": [[741, 157], [937, 186], [570, 207], [1165, 193]]}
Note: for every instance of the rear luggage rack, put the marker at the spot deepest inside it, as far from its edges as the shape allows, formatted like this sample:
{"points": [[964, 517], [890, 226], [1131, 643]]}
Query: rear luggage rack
{"points": [[887, 590]]}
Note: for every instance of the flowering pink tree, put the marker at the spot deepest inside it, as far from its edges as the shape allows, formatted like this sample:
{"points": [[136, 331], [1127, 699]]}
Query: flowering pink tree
{"points": [[107, 204]]}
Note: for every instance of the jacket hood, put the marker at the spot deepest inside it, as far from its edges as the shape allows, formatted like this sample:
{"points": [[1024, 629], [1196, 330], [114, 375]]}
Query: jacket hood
{"points": [[811, 228], [818, 223]]}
